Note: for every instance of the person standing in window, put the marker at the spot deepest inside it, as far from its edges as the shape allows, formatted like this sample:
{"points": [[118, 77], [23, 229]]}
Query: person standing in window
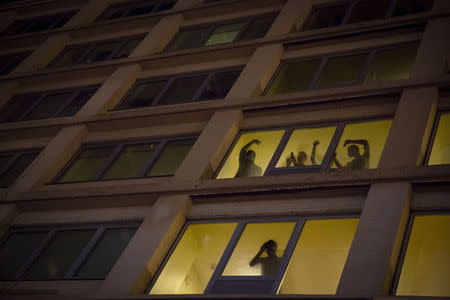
{"points": [[247, 166], [359, 161], [269, 264], [302, 157]]}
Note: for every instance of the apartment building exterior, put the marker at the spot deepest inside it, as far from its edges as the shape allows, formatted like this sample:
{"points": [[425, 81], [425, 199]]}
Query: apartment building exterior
{"points": [[224, 149]]}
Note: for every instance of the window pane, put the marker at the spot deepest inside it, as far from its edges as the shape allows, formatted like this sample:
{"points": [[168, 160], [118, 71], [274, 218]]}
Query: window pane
{"points": [[366, 10], [425, 270], [343, 69], [167, 4], [86, 165], [129, 46], [104, 256], [115, 12], [440, 153], [141, 9], [306, 147], [143, 94], [219, 85], [69, 57], [77, 103], [182, 90], [188, 39], [101, 52], [16, 169], [260, 249], [258, 28], [251, 154], [48, 106], [15, 108], [9, 63], [319, 257], [405, 7], [15, 251], [392, 64], [4, 160], [323, 17], [224, 34], [42, 24], [170, 158], [294, 76], [17, 27], [361, 145], [63, 250], [194, 259], [130, 161]]}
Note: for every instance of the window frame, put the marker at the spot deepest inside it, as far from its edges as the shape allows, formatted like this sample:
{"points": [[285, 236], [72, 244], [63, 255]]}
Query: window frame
{"points": [[15, 156], [364, 72], [40, 96], [433, 137], [51, 231], [33, 20], [211, 27], [300, 222], [118, 147], [272, 170], [405, 243], [170, 79], [128, 7]]}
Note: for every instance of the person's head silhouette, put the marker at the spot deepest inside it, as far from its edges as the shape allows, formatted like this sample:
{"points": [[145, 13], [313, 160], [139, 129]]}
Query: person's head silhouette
{"points": [[250, 155], [271, 248], [301, 158], [353, 151]]}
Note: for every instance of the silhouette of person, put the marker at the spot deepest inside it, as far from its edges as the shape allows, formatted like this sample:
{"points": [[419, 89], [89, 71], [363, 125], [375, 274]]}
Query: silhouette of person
{"points": [[247, 166], [302, 157], [359, 161], [269, 264]]}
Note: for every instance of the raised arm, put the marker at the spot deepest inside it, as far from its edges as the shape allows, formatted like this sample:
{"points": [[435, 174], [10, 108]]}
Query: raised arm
{"points": [[245, 148], [364, 143], [291, 159], [255, 259], [313, 152], [338, 164]]}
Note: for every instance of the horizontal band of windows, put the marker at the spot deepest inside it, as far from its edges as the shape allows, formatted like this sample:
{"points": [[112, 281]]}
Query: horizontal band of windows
{"points": [[346, 145], [220, 33], [63, 252], [135, 8], [96, 52], [183, 89], [126, 160], [13, 164], [361, 11], [59, 103], [391, 63], [284, 256]]}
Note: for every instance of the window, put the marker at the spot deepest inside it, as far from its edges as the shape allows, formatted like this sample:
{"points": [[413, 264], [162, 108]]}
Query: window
{"points": [[61, 103], [127, 160], [258, 257], [12, 165], [356, 11], [11, 61], [214, 34], [99, 51], [38, 23], [63, 252], [424, 270], [135, 8], [440, 150], [190, 88], [346, 69], [347, 145]]}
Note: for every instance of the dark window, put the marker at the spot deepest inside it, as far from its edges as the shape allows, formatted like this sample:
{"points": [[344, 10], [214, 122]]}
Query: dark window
{"points": [[38, 24], [127, 160], [366, 10], [189, 88], [63, 252], [136, 8], [214, 34], [11, 61], [328, 16], [406, 7], [99, 51], [12, 165], [46, 105]]}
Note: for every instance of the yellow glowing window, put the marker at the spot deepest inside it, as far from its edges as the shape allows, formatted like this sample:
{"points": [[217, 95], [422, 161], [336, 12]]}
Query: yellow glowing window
{"points": [[196, 255], [426, 266], [361, 145], [251, 154], [306, 147], [319, 257], [260, 249], [440, 152]]}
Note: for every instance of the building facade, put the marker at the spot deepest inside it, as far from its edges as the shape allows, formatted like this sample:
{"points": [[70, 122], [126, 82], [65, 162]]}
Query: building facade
{"points": [[228, 148]]}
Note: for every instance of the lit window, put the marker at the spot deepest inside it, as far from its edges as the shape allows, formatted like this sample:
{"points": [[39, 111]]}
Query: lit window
{"points": [[127, 160], [251, 154], [11, 61], [361, 145], [425, 270], [52, 253], [224, 34], [440, 151], [12, 165], [261, 258]]}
